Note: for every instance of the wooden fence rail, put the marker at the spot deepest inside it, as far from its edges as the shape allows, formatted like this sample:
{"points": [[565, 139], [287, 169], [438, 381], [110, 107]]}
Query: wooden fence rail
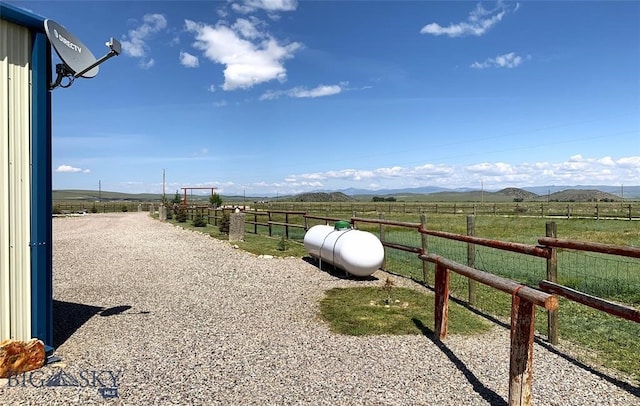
{"points": [[602, 210], [610, 249], [616, 309], [523, 314]]}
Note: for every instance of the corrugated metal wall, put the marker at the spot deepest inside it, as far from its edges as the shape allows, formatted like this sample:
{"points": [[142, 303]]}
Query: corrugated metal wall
{"points": [[15, 181]]}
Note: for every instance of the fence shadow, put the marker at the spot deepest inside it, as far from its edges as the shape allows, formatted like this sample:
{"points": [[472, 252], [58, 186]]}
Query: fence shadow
{"points": [[626, 386], [634, 390], [487, 394]]}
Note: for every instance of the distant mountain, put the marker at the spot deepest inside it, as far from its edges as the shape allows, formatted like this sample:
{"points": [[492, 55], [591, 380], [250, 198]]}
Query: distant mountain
{"points": [[432, 193], [579, 195], [418, 190], [628, 192]]}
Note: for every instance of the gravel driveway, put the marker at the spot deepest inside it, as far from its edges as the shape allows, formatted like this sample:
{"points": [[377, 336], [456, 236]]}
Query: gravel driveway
{"points": [[149, 313]]}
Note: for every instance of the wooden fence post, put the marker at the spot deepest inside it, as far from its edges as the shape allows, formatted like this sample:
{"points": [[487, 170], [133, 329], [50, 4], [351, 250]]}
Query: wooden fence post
{"points": [[255, 223], [523, 315], [425, 265], [630, 218], [441, 308], [471, 259], [384, 259], [597, 212], [552, 276], [286, 228], [269, 222]]}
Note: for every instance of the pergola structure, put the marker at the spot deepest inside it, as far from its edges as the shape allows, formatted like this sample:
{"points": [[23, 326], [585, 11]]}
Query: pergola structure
{"points": [[184, 201]]}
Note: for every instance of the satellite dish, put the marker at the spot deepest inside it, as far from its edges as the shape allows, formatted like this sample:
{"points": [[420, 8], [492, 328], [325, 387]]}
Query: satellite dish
{"points": [[70, 49], [77, 59]]}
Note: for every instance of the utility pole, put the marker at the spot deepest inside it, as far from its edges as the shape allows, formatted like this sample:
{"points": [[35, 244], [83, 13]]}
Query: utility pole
{"points": [[99, 191], [163, 182], [482, 191]]}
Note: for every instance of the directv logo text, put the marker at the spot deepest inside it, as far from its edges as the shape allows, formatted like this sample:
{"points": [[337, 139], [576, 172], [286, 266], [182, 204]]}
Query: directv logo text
{"points": [[67, 42]]}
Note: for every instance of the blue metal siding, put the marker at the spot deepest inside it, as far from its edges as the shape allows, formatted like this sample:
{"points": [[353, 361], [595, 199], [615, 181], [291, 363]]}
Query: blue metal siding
{"points": [[41, 226]]}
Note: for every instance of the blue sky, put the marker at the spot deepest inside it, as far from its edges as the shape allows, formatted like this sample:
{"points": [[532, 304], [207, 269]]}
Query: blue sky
{"points": [[266, 97]]}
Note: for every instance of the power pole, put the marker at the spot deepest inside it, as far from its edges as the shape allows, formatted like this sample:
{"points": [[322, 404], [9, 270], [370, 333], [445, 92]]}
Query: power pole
{"points": [[163, 182], [99, 191]]}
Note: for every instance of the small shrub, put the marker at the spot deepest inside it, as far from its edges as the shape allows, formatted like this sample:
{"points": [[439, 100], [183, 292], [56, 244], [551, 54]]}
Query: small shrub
{"points": [[388, 285], [282, 244], [224, 224], [198, 221], [215, 200], [169, 213], [94, 209], [125, 208], [176, 199], [56, 209], [181, 213]]}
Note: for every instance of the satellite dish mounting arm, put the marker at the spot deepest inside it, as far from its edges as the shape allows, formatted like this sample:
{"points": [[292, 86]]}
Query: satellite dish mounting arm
{"points": [[116, 49], [63, 70]]}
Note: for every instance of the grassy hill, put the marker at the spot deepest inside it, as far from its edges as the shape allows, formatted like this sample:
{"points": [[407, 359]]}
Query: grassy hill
{"points": [[322, 197], [504, 195], [94, 195]]}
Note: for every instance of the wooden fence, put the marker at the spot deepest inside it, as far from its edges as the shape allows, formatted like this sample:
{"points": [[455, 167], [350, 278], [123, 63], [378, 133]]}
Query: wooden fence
{"points": [[524, 298], [255, 220], [599, 210]]}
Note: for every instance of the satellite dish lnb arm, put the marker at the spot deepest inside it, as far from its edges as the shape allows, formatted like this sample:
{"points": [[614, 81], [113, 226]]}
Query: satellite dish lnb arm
{"points": [[115, 46]]}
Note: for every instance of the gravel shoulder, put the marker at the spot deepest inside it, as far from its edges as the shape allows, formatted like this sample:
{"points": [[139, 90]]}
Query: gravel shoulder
{"points": [[169, 316]]}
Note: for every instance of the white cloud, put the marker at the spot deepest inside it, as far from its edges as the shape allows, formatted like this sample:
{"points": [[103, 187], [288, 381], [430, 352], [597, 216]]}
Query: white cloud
{"points": [[188, 60], [302, 92], [211, 88], [146, 63], [271, 6], [134, 44], [70, 169], [494, 175], [250, 56], [510, 60], [479, 21]]}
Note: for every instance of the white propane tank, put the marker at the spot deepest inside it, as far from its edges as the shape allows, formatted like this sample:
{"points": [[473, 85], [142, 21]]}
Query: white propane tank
{"points": [[358, 252]]}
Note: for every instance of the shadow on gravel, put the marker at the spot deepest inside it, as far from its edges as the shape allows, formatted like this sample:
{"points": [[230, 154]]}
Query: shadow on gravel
{"points": [[487, 394], [336, 272], [68, 318], [634, 390]]}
